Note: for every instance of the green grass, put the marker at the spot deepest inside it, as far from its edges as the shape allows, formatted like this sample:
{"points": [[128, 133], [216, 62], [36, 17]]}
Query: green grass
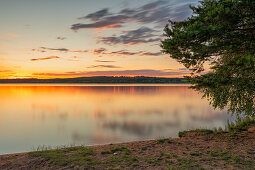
{"points": [[82, 156], [164, 140], [195, 153], [250, 151], [122, 157], [118, 149], [222, 155], [68, 156], [200, 131], [117, 160], [165, 155], [240, 125]]}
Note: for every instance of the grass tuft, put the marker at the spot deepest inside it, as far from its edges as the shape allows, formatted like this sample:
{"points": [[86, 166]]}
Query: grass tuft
{"points": [[241, 125], [68, 156], [120, 149], [199, 131], [164, 140]]}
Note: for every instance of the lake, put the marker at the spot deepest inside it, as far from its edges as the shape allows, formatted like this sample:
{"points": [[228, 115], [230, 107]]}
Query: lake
{"points": [[33, 116]]}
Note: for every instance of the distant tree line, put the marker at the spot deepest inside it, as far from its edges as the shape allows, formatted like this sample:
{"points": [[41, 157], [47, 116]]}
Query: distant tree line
{"points": [[99, 79]]}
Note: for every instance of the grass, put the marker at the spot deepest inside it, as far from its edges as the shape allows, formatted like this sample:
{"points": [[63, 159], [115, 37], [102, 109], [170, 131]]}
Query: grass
{"points": [[117, 160], [118, 149], [200, 131], [85, 157], [164, 140], [240, 125], [68, 156], [122, 157], [222, 155], [195, 153]]}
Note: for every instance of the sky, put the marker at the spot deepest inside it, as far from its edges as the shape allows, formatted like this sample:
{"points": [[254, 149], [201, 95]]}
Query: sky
{"points": [[78, 38]]}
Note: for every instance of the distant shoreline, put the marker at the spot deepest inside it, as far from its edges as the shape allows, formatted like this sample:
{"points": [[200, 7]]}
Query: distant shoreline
{"points": [[99, 80]]}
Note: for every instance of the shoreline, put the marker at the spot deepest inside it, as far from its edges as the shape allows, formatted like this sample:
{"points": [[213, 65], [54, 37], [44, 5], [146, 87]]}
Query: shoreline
{"points": [[194, 149]]}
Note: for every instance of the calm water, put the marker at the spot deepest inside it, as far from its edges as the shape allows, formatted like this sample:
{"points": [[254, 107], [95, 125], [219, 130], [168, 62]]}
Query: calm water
{"points": [[55, 115]]}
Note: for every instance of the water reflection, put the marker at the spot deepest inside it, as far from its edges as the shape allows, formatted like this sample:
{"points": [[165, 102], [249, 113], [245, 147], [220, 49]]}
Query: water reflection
{"points": [[31, 116]]}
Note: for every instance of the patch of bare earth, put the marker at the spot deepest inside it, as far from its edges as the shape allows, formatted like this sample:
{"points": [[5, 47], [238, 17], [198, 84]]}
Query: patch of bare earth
{"points": [[231, 150]]}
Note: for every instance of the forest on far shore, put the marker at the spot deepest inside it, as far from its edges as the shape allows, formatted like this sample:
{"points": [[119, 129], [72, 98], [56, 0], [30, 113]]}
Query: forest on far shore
{"points": [[99, 79]]}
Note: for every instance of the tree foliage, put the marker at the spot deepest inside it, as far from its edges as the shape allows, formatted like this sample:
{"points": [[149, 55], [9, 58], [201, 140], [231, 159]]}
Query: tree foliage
{"points": [[218, 31], [222, 33]]}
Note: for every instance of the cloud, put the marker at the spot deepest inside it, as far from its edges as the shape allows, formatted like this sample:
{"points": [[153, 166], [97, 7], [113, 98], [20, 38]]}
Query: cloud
{"points": [[123, 52], [44, 49], [45, 58], [140, 53], [61, 38], [109, 22], [103, 66], [141, 72], [97, 15], [151, 54], [79, 51], [74, 58], [99, 51], [103, 51], [104, 61], [157, 12], [13, 35], [5, 71], [55, 49], [138, 36]]}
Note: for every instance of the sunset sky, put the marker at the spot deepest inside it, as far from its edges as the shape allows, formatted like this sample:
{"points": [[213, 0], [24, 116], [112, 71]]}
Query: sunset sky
{"points": [[75, 38]]}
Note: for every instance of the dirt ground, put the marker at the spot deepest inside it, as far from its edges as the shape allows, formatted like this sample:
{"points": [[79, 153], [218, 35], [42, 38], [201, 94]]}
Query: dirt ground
{"points": [[195, 150]]}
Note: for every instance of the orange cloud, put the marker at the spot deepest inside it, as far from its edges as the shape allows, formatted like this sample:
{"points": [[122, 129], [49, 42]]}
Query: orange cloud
{"points": [[107, 27], [45, 58], [99, 51], [79, 51], [12, 35]]}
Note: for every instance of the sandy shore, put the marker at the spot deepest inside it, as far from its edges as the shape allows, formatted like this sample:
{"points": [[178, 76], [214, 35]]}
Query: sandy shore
{"points": [[194, 150]]}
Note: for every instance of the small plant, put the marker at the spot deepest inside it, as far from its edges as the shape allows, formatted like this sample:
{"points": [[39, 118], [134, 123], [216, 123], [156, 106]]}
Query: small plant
{"points": [[113, 150], [200, 131], [164, 154], [161, 141], [68, 156], [241, 125], [173, 155], [250, 151], [106, 152], [195, 153]]}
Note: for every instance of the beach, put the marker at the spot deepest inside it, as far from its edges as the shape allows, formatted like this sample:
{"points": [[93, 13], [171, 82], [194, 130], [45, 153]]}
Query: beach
{"points": [[195, 149]]}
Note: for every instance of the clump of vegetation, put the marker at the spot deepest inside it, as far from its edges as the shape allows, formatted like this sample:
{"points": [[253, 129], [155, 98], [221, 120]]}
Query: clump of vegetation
{"points": [[165, 155], [195, 153], [241, 125], [117, 160], [164, 140], [199, 131], [68, 156], [120, 149], [120, 159], [221, 154]]}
